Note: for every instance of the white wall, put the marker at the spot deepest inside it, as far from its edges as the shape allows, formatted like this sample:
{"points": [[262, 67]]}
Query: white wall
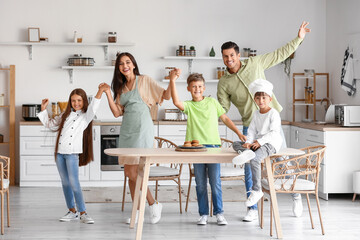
{"points": [[157, 28], [342, 28]]}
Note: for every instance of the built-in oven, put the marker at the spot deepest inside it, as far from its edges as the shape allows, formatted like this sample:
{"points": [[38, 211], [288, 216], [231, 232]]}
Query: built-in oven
{"points": [[110, 139]]}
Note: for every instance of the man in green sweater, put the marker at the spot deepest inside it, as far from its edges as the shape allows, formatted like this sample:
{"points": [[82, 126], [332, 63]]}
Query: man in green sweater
{"points": [[233, 88]]}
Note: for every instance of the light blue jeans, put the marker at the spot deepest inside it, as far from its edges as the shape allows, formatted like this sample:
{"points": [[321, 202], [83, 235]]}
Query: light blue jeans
{"points": [[68, 167], [248, 174], [202, 171]]}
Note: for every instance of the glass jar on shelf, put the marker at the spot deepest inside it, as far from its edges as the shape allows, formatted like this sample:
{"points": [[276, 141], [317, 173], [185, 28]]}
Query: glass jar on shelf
{"points": [[311, 97], [55, 109], [246, 52], [306, 94], [112, 37]]}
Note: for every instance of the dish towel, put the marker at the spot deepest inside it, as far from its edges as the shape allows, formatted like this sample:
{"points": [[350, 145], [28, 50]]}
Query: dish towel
{"points": [[348, 82]]}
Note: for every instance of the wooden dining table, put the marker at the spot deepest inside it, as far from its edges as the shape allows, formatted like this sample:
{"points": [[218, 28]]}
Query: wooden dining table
{"points": [[150, 156]]}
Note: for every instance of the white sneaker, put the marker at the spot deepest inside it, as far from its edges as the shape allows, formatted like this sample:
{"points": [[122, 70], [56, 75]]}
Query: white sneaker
{"points": [[220, 219], [70, 216], [251, 215], [244, 157], [253, 198], [155, 212], [84, 218], [297, 206], [202, 220], [136, 218]]}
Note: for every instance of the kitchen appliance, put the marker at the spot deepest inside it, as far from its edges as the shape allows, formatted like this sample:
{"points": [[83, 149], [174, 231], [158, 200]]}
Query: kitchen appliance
{"points": [[347, 116], [79, 60], [110, 139], [174, 115], [30, 111]]}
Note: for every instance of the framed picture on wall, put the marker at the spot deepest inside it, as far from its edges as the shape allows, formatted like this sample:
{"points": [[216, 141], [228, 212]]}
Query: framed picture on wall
{"points": [[34, 34]]}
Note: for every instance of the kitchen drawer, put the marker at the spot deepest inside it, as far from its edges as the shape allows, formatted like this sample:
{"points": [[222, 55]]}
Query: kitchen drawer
{"points": [[315, 136], [43, 168], [180, 130], [37, 145], [36, 131]]}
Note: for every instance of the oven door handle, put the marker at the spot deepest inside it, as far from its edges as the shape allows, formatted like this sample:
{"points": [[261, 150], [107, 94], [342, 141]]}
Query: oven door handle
{"points": [[109, 138]]}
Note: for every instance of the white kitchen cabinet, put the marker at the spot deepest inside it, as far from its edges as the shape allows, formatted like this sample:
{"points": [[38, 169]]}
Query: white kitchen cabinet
{"points": [[37, 161]]}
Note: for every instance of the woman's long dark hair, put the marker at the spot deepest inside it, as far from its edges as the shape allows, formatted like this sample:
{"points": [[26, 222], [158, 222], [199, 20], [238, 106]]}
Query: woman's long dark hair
{"points": [[87, 155], [119, 80]]}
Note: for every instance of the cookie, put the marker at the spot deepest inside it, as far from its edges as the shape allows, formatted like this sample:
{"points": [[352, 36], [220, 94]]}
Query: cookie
{"points": [[187, 145], [195, 142], [187, 142]]}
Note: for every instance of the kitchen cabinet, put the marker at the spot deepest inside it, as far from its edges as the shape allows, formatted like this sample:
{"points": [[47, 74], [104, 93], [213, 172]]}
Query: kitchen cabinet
{"points": [[37, 160], [340, 156], [9, 110]]}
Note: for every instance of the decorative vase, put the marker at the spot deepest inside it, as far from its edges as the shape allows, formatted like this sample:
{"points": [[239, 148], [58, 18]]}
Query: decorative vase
{"points": [[212, 52]]}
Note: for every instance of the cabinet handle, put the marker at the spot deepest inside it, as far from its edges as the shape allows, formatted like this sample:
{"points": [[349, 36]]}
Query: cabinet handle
{"points": [[313, 135], [182, 130], [297, 135], [47, 145], [45, 130], [94, 134], [48, 164], [109, 138]]}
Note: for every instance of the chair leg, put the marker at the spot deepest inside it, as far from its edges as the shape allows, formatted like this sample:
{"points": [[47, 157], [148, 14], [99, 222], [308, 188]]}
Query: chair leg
{"points": [[124, 193], [156, 189], [188, 195], [179, 184], [318, 206], [308, 203], [2, 213], [262, 213], [354, 197], [271, 218], [8, 207]]}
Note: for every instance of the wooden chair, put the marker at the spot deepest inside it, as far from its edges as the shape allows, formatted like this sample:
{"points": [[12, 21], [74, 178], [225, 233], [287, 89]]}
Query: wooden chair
{"points": [[227, 173], [299, 174], [158, 173], [4, 189]]}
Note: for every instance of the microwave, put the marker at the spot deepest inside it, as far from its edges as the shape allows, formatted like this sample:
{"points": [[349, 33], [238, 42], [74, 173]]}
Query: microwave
{"points": [[347, 116]]}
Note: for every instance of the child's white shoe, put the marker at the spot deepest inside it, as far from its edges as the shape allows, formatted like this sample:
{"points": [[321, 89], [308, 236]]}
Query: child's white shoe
{"points": [[243, 157], [254, 198]]}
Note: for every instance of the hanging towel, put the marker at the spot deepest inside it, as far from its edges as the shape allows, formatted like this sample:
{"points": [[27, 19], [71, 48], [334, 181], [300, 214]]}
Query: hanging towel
{"points": [[348, 82]]}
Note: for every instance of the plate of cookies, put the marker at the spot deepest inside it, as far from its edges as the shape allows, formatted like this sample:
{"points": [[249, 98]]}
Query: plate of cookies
{"points": [[194, 144]]}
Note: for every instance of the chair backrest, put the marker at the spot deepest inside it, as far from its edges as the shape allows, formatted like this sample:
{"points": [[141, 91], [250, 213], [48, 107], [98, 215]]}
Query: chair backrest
{"points": [[4, 169], [226, 143], [165, 143], [288, 171]]}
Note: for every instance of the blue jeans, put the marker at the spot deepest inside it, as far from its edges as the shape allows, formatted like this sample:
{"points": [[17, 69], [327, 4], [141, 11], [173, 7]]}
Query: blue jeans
{"points": [[68, 167], [248, 175], [202, 170]]}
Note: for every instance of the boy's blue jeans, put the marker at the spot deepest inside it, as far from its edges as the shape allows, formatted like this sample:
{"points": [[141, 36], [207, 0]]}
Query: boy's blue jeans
{"points": [[202, 171], [68, 167]]}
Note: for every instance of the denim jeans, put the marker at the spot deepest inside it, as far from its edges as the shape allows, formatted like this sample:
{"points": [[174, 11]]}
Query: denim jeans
{"points": [[68, 167], [202, 170]]}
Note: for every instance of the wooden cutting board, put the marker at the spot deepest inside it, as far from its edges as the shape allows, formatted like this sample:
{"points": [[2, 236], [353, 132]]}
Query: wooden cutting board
{"points": [[191, 150]]}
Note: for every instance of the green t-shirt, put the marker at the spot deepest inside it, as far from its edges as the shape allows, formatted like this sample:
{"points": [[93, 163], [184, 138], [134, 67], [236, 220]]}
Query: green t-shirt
{"points": [[202, 120]]}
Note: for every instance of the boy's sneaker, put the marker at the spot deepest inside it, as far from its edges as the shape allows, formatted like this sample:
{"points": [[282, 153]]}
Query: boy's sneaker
{"points": [[220, 219], [203, 220], [155, 212], [297, 206], [84, 218], [70, 216], [243, 157], [251, 215], [136, 218], [253, 198]]}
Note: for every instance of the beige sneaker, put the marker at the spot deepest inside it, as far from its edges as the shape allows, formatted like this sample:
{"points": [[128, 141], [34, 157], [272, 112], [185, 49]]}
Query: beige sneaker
{"points": [[84, 218]]}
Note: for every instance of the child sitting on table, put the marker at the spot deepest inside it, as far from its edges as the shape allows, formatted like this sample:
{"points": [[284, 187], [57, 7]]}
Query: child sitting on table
{"points": [[263, 137], [202, 124]]}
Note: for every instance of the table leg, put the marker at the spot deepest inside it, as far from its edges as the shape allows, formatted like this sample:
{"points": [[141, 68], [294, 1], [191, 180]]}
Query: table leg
{"points": [[144, 169], [136, 195], [273, 198]]}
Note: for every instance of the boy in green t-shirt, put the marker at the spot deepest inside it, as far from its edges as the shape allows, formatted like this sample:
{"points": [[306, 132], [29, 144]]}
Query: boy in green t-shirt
{"points": [[202, 124]]}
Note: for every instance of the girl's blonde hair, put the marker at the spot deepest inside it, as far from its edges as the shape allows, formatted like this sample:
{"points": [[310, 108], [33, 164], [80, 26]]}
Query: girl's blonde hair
{"points": [[87, 155]]}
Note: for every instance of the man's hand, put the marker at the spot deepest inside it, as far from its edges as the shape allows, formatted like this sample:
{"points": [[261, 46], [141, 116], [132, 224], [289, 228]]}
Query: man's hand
{"points": [[255, 145], [303, 30]]}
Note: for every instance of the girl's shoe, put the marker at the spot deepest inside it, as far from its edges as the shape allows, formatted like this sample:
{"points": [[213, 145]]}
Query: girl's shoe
{"points": [[136, 218], [84, 218], [70, 216]]}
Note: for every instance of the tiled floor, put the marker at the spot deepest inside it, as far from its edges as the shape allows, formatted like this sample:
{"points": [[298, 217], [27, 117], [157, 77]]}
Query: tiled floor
{"points": [[35, 213]]}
